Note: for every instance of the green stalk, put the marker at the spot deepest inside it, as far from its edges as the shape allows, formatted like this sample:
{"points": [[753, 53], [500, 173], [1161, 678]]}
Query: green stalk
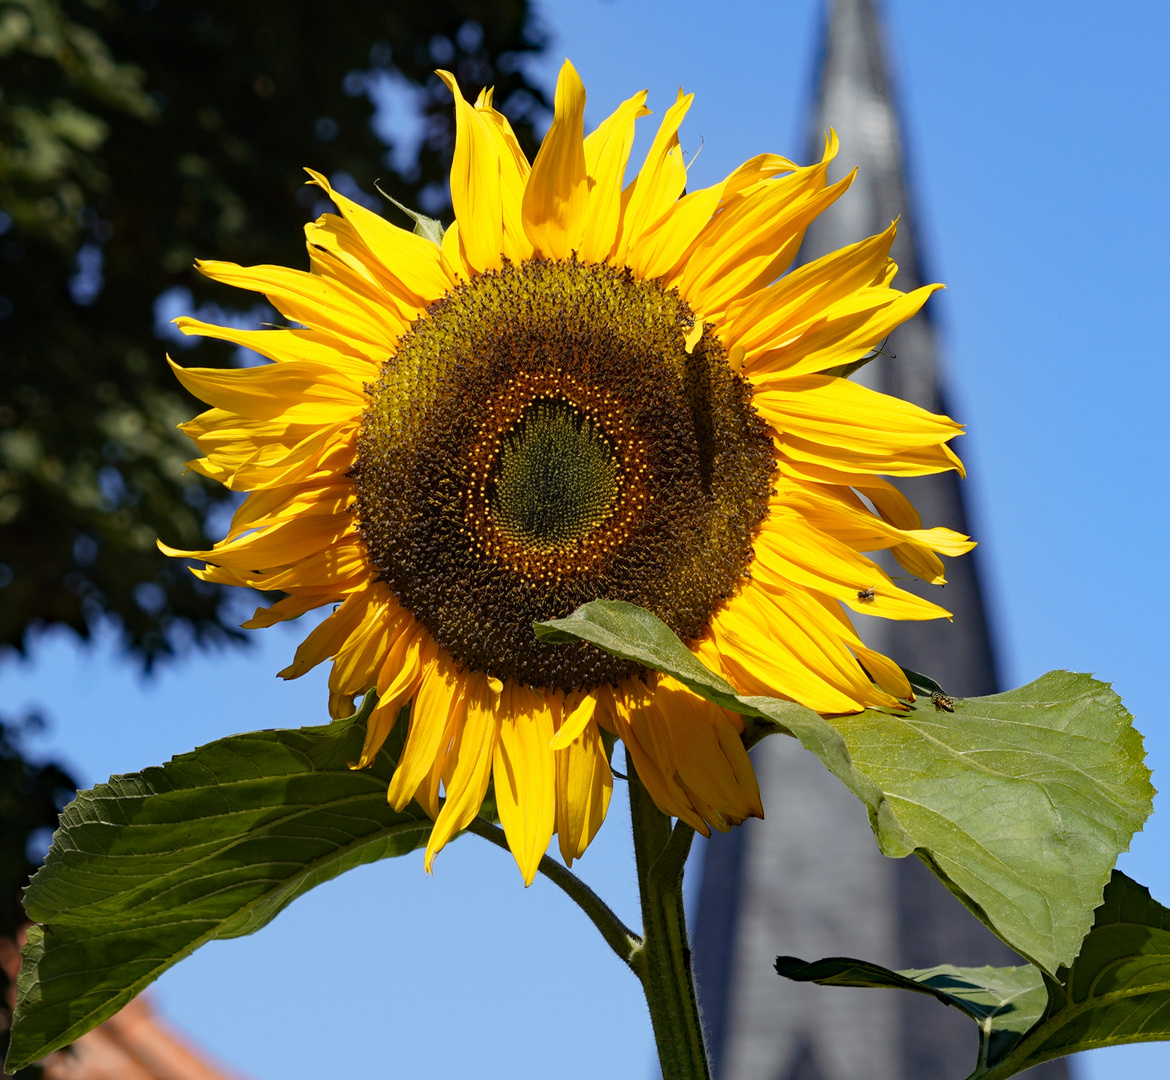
{"points": [[663, 963]]}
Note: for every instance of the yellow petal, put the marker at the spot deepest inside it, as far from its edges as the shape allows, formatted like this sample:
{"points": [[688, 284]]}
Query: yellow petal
{"points": [[846, 416], [584, 786], [514, 172], [453, 253], [790, 551], [360, 658], [772, 653], [777, 313], [575, 723], [275, 389], [840, 513], [634, 720], [427, 792], [756, 235], [291, 607], [475, 185], [398, 680], [378, 727], [438, 695], [329, 635], [753, 172], [316, 302], [413, 263], [273, 505], [525, 775], [916, 461], [247, 462], [335, 569], [893, 506], [715, 771], [284, 345], [470, 765], [885, 673], [486, 186], [337, 254], [665, 249], [659, 183], [282, 545], [264, 449], [607, 150], [511, 152], [840, 334], [557, 194], [656, 252]]}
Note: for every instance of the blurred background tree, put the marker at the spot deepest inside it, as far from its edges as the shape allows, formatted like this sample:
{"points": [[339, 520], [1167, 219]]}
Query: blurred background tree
{"points": [[30, 797], [135, 136]]}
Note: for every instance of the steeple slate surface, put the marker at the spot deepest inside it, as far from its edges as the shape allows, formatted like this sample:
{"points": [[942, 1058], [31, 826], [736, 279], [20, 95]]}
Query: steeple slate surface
{"points": [[855, 99], [809, 880]]}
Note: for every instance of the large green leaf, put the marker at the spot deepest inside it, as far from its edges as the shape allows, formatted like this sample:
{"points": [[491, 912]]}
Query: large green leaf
{"points": [[148, 867], [1116, 991], [1020, 802]]}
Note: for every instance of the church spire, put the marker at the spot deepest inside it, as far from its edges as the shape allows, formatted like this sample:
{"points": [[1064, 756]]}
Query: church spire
{"points": [[809, 880], [855, 98]]}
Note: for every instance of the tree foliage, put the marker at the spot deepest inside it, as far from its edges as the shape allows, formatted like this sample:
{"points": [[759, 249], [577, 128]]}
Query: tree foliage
{"points": [[31, 793], [135, 137]]}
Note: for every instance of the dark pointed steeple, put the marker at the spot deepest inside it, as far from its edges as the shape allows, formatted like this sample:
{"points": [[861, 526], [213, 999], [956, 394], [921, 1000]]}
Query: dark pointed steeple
{"points": [[809, 881], [854, 98]]}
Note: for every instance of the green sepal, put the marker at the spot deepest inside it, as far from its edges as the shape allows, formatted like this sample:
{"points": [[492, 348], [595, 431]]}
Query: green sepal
{"points": [[427, 227], [1019, 802], [146, 868], [843, 371], [921, 682], [1116, 991]]}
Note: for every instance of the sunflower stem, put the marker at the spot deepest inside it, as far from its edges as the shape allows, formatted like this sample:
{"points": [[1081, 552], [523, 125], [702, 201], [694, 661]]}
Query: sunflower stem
{"points": [[664, 961], [624, 942]]}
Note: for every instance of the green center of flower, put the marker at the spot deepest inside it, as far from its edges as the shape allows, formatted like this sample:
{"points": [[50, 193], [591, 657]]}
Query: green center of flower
{"points": [[556, 479], [543, 437]]}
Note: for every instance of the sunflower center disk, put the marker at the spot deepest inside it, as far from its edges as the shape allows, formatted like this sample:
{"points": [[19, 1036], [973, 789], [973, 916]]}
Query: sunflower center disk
{"points": [[557, 478], [541, 438]]}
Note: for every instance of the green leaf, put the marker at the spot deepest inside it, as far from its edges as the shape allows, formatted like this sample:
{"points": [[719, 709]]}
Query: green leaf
{"points": [[1118, 988], [148, 867], [1004, 1002], [1116, 991], [1020, 802]]}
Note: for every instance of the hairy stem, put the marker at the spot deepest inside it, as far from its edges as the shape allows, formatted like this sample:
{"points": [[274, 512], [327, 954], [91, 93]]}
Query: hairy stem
{"points": [[624, 942], [663, 963]]}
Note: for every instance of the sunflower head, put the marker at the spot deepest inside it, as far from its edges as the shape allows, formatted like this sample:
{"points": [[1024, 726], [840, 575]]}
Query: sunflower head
{"points": [[544, 437], [588, 389]]}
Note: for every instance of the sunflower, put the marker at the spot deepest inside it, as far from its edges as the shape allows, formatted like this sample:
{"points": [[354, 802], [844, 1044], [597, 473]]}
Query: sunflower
{"points": [[584, 390]]}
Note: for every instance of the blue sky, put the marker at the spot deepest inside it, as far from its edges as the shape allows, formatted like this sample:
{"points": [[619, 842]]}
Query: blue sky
{"points": [[1039, 148]]}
